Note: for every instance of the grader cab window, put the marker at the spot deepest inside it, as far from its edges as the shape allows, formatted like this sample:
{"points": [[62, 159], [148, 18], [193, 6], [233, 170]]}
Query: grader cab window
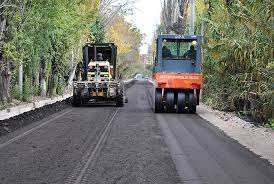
{"points": [[99, 53], [175, 49]]}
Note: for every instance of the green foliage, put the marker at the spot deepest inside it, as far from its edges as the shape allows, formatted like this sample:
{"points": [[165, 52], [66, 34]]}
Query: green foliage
{"points": [[15, 92], [42, 35], [239, 57], [128, 39], [27, 90], [61, 85], [47, 36], [269, 124], [98, 34], [149, 67]]}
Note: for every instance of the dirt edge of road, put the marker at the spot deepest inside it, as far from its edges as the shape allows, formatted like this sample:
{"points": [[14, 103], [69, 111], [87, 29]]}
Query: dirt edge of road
{"points": [[259, 140], [22, 120], [17, 122]]}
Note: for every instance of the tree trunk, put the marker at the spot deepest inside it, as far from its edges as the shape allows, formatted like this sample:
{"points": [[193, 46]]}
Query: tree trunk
{"points": [[3, 27], [2, 63], [174, 16], [5, 79], [20, 79], [50, 85], [72, 76], [43, 84], [73, 72], [52, 78], [1, 87], [167, 13], [183, 5]]}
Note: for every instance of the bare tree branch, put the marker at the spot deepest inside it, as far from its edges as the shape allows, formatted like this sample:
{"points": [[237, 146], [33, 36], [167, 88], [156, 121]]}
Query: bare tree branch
{"points": [[110, 9], [3, 3], [174, 15]]}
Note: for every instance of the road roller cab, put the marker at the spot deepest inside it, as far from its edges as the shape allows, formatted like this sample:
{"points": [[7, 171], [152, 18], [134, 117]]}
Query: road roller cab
{"points": [[178, 73]]}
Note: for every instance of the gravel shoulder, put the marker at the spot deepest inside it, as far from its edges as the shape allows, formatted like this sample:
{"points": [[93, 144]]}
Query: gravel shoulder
{"points": [[17, 122], [257, 139]]}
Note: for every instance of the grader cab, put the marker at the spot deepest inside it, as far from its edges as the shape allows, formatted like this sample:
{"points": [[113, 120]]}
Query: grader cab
{"points": [[99, 80]]}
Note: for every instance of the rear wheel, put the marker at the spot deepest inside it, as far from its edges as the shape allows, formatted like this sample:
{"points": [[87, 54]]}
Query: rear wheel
{"points": [[76, 100], [192, 103], [181, 102], [120, 97], [158, 101], [170, 100]]}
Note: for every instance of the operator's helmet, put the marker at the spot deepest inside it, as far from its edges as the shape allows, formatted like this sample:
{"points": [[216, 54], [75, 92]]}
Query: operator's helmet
{"points": [[100, 57]]}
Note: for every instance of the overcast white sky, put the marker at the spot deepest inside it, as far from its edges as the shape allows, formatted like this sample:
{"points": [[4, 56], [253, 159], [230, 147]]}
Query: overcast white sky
{"points": [[146, 16]]}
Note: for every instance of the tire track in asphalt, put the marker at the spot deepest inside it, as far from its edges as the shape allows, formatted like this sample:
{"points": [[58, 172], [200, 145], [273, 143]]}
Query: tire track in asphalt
{"points": [[135, 151], [150, 96], [184, 169], [89, 158]]}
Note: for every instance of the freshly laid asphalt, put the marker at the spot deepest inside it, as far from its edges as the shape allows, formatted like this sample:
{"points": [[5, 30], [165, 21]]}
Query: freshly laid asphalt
{"points": [[129, 145]]}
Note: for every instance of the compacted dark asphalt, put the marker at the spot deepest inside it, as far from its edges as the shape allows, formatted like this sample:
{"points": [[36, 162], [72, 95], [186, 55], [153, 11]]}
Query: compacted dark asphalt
{"points": [[129, 145]]}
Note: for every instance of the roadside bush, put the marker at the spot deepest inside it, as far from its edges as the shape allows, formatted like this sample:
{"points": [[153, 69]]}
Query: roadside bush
{"points": [[15, 92], [238, 62], [27, 90], [61, 86], [269, 124]]}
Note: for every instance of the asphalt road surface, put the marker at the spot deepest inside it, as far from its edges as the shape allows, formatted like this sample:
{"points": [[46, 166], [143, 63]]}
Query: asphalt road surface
{"points": [[129, 145]]}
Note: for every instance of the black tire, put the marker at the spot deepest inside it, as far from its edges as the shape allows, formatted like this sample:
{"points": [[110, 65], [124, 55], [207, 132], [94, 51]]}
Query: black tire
{"points": [[192, 103], [158, 101], [126, 99], [120, 97], [181, 102], [170, 101], [76, 100]]}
